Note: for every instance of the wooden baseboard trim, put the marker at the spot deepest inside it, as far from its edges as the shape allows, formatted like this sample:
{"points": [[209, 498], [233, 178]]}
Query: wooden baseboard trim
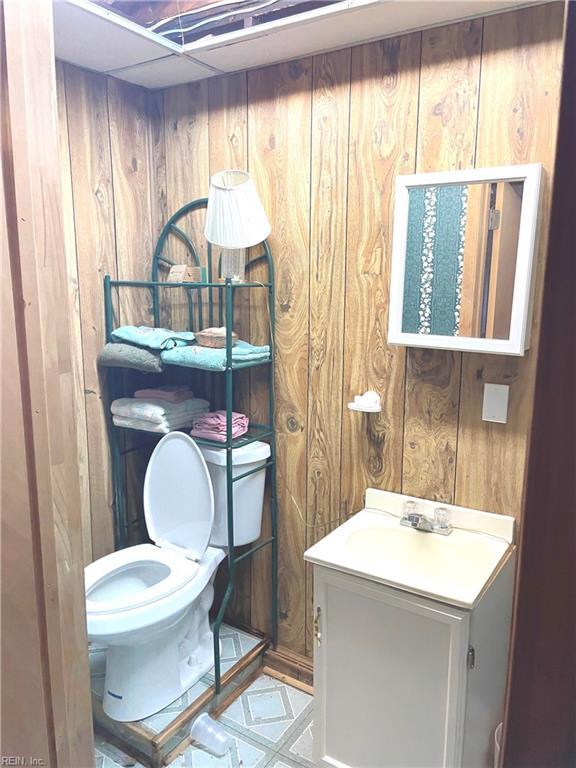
{"points": [[288, 679], [290, 664]]}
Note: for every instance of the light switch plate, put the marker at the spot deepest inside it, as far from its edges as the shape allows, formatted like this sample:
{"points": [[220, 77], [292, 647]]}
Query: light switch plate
{"points": [[495, 405]]}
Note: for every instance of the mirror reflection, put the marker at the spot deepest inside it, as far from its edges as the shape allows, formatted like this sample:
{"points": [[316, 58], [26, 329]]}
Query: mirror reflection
{"points": [[460, 265]]}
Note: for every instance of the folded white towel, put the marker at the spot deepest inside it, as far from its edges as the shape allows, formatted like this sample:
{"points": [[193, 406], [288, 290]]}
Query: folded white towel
{"points": [[158, 410], [141, 424], [162, 427]]}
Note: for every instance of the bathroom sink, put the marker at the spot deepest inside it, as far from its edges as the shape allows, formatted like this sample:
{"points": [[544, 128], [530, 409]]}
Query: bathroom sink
{"points": [[455, 568]]}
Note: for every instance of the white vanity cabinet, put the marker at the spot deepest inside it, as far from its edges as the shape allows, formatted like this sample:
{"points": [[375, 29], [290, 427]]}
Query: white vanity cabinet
{"points": [[403, 679]]}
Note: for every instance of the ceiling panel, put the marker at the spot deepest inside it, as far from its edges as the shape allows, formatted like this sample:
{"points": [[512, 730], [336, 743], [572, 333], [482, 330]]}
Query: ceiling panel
{"points": [[162, 73], [92, 37], [337, 26]]}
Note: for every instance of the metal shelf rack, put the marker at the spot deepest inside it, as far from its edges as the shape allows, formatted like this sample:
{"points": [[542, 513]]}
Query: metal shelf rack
{"points": [[218, 299]]}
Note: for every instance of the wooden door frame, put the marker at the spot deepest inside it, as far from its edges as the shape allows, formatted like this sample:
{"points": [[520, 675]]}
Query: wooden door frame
{"points": [[542, 703], [41, 524]]}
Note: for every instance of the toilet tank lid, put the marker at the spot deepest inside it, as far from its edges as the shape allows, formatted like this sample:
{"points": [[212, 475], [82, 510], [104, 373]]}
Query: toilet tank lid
{"points": [[245, 454], [178, 496]]}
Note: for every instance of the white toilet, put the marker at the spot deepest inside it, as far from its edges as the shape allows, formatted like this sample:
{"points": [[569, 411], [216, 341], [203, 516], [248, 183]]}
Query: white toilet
{"points": [[149, 603]]}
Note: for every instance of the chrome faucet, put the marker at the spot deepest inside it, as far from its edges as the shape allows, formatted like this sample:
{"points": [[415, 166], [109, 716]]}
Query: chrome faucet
{"points": [[418, 521], [412, 518]]}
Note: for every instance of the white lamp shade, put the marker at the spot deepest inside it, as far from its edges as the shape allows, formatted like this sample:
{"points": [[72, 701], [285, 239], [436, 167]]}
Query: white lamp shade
{"points": [[235, 217]]}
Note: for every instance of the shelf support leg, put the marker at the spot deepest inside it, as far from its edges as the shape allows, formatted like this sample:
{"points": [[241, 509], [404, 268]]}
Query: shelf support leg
{"points": [[229, 484]]}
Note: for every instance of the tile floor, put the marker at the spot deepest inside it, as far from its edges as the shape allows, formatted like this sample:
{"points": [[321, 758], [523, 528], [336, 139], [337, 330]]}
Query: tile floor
{"points": [[234, 645], [270, 724]]}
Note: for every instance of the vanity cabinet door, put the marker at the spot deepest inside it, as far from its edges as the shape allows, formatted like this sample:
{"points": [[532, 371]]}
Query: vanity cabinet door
{"points": [[389, 676]]}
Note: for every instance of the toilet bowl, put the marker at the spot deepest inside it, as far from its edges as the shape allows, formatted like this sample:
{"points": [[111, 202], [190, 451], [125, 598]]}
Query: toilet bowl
{"points": [[149, 604]]}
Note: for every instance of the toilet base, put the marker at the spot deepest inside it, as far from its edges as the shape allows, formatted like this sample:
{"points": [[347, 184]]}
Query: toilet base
{"points": [[142, 679], [155, 741], [146, 694]]}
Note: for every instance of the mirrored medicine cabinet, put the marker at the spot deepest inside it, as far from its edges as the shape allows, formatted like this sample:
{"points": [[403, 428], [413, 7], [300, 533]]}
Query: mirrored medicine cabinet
{"points": [[462, 259]]}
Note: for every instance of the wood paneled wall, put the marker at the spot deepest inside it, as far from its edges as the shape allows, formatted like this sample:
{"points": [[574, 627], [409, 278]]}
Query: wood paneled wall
{"points": [[324, 138], [46, 711], [112, 161]]}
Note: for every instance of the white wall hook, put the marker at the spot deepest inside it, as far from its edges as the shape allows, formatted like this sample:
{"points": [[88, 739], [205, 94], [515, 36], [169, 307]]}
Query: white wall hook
{"points": [[369, 402]]}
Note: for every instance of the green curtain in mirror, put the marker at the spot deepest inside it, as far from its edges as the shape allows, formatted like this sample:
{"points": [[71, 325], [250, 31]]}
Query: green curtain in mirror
{"points": [[434, 259]]}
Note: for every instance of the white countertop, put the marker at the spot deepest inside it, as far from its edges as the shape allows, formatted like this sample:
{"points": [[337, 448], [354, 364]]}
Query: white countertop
{"points": [[453, 569]]}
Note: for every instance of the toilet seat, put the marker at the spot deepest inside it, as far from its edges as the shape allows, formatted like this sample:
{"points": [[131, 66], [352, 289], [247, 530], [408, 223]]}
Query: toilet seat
{"points": [[111, 624], [179, 512], [178, 496], [143, 563]]}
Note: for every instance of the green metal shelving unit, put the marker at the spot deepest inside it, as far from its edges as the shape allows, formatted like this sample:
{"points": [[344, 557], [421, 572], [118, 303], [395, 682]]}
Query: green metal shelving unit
{"points": [[221, 310]]}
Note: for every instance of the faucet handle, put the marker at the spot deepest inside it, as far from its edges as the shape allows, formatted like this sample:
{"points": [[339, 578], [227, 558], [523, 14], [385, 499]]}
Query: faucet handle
{"points": [[442, 518], [410, 513]]}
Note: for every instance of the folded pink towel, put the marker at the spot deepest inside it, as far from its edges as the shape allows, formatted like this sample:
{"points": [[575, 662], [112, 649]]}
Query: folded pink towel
{"points": [[217, 420], [220, 437], [212, 426], [171, 394]]}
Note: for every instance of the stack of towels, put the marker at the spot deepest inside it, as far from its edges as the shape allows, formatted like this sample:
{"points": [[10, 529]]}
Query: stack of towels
{"points": [[139, 347], [212, 426], [207, 358], [150, 349], [161, 410], [152, 338], [171, 394]]}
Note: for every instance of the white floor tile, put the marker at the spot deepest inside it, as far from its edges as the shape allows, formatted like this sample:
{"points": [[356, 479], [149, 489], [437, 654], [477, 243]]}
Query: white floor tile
{"points": [[270, 724], [243, 754], [267, 710]]}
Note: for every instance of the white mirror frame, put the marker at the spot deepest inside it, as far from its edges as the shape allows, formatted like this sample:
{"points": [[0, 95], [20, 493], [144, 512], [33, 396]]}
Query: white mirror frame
{"points": [[519, 340]]}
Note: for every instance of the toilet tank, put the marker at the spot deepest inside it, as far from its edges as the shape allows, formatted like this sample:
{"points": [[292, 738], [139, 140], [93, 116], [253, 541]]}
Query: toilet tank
{"points": [[248, 492]]}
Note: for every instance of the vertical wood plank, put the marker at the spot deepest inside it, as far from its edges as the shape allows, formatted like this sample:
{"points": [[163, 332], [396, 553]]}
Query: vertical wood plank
{"points": [[519, 101], [187, 172], [329, 186], [79, 398], [91, 171], [159, 203], [30, 158], [187, 145], [447, 115], [134, 152], [279, 159], [228, 117], [474, 257], [384, 107], [24, 660], [157, 123], [24, 664], [135, 214], [448, 105]]}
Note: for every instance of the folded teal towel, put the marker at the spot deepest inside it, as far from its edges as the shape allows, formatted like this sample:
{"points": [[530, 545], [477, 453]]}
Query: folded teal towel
{"points": [[152, 338], [196, 356]]}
